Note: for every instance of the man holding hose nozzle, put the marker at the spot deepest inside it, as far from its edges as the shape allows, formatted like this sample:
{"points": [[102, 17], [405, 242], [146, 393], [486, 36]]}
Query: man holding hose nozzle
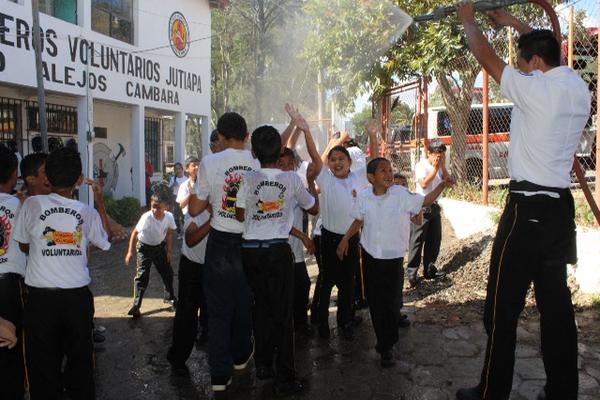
{"points": [[536, 234]]}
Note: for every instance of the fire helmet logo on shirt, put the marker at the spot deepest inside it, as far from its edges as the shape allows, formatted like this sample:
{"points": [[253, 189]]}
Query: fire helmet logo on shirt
{"points": [[54, 237], [5, 229], [230, 189]]}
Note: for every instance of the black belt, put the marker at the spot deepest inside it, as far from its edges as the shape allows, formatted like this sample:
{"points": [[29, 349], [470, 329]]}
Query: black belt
{"points": [[34, 289], [262, 244], [152, 246], [10, 276], [526, 186]]}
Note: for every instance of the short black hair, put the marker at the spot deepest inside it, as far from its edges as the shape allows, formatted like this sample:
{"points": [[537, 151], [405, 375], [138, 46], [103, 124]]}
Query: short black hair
{"points": [[8, 164], [176, 164], [31, 163], [266, 144], [341, 149], [232, 126], [37, 144], [436, 147], [214, 136], [399, 176], [374, 163], [159, 197], [63, 167], [191, 159], [542, 43]]}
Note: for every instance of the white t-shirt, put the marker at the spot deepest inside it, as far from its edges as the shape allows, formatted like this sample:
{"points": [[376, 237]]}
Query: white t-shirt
{"points": [[549, 114], [268, 197], [338, 196], [295, 243], [12, 259], [182, 194], [196, 253], [152, 231], [318, 224], [58, 231], [384, 236], [219, 179], [176, 182], [422, 169]]}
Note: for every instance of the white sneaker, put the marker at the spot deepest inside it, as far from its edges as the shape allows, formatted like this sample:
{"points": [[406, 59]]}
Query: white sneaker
{"points": [[218, 385], [243, 365]]}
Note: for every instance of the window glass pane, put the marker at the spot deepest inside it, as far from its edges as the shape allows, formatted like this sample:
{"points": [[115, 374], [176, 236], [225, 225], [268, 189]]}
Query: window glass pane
{"points": [[121, 29], [66, 10], [47, 6], [100, 21], [102, 4]]}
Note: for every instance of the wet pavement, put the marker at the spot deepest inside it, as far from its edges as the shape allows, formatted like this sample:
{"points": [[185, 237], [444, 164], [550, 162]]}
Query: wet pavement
{"points": [[434, 357]]}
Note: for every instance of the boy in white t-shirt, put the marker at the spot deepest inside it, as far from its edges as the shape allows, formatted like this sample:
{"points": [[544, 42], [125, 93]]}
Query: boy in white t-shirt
{"points": [[228, 296], [183, 194], [265, 203], [153, 241], [191, 293], [12, 270], [379, 210], [55, 231], [426, 238]]}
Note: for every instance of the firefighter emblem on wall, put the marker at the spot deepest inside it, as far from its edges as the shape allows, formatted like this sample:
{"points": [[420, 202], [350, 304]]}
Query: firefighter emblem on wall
{"points": [[179, 34]]}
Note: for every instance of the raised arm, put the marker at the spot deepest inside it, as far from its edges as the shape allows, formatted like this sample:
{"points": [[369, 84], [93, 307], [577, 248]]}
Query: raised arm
{"points": [[372, 128], [311, 147], [478, 43]]}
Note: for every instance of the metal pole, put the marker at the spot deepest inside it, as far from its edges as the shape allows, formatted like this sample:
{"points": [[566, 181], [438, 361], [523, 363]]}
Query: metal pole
{"points": [[37, 45], [486, 131], [425, 97], [570, 39], [321, 103]]}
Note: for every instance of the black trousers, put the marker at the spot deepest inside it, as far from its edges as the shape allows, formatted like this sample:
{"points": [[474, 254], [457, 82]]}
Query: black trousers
{"points": [[534, 242], [12, 375], [58, 323], [425, 239], [270, 274], [191, 299], [314, 308], [381, 279], [146, 256], [337, 273], [301, 293]]}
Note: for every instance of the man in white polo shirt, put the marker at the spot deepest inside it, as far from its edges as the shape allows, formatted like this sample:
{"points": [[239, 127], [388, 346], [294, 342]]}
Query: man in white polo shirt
{"points": [[536, 235]]}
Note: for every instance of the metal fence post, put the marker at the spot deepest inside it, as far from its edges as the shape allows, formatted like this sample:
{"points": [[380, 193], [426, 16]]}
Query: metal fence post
{"points": [[486, 131]]}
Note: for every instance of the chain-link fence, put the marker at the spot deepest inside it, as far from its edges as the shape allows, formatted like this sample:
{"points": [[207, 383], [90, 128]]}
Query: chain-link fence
{"points": [[466, 111]]}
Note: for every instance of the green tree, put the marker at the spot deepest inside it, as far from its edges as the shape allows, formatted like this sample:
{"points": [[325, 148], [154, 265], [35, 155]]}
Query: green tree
{"points": [[435, 49]]}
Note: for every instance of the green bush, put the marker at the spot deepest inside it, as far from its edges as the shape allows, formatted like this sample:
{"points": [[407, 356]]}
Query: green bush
{"points": [[125, 211]]}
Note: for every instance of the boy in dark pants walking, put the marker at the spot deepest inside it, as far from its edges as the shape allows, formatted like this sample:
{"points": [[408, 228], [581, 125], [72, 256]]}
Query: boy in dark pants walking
{"points": [[266, 203], [154, 236]]}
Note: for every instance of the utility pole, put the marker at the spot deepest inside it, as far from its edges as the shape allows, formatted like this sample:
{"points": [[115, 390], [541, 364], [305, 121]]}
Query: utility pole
{"points": [[37, 45]]}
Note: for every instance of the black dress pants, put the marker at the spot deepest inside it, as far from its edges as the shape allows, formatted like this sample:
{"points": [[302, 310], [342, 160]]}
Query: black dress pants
{"points": [[270, 274], [12, 375], [425, 240], [340, 273], [534, 242], [382, 295], [58, 323], [146, 256]]}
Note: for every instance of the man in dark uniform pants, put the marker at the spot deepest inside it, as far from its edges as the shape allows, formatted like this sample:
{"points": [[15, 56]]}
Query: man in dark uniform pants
{"points": [[536, 235]]}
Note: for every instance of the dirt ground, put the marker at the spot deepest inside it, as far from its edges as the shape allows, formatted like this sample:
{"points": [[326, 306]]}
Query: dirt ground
{"points": [[131, 362]]}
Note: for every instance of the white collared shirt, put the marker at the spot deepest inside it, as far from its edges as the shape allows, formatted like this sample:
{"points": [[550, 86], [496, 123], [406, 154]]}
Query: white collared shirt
{"points": [[12, 259], [550, 112], [268, 197], [58, 231], [219, 179], [182, 194], [152, 231], [385, 233], [338, 197], [422, 169], [197, 252]]}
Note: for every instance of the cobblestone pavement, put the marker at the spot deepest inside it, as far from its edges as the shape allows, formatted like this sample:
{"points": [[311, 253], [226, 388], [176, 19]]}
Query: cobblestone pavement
{"points": [[434, 357]]}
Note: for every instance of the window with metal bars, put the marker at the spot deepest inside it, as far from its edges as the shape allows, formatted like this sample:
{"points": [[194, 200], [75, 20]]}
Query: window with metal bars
{"points": [[60, 119], [152, 141], [10, 121]]}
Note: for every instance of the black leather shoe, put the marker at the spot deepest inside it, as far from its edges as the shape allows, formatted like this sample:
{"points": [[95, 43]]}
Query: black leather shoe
{"points": [[324, 331], [431, 272], [473, 393], [134, 311], [387, 359], [403, 321], [178, 368], [282, 389]]}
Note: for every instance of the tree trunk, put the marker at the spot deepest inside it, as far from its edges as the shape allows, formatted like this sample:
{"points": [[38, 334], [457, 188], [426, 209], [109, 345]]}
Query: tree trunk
{"points": [[458, 106]]}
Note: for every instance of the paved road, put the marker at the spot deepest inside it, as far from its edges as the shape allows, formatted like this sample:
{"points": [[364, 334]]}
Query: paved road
{"points": [[434, 357]]}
